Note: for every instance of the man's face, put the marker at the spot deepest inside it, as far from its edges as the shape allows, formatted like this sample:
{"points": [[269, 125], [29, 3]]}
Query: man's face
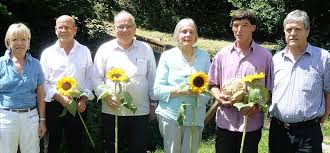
{"points": [[296, 34], [65, 29], [125, 29], [243, 30]]}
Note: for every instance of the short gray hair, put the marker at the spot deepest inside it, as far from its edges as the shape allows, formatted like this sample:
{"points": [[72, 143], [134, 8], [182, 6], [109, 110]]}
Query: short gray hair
{"points": [[124, 13], [297, 16], [17, 29], [181, 24]]}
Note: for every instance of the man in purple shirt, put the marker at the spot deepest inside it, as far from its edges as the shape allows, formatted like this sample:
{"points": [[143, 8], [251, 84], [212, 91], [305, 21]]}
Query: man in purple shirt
{"points": [[244, 57]]}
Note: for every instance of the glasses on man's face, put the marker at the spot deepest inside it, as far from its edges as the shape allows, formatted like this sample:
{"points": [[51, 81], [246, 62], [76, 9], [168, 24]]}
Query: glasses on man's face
{"points": [[123, 27]]}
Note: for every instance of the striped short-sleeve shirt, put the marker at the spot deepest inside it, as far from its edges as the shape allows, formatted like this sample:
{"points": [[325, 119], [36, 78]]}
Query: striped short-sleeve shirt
{"points": [[299, 87]]}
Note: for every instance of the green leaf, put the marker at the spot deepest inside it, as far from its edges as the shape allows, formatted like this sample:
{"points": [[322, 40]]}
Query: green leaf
{"points": [[72, 107], [64, 112], [126, 100], [181, 114], [240, 106]]}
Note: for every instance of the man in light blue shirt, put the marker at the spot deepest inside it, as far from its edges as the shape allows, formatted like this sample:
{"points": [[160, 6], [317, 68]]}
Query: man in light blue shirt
{"points": [[301, 93]]}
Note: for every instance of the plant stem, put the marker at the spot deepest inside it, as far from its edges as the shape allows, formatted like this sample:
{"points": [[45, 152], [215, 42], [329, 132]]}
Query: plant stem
{"points": [[193, 123], [89, 136], [244, 133], [116, 134]]}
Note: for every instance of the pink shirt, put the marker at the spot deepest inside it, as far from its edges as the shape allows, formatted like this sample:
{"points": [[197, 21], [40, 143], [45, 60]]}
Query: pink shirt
{"points": [[228, 65]]}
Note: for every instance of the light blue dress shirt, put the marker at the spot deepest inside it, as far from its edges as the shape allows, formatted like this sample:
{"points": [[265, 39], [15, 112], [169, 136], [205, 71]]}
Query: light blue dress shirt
{"points": [[299, 87], [172, 72], [19, 90]]}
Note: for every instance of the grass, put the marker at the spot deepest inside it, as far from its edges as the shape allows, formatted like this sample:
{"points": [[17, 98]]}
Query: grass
{"points": [[208, 146]]}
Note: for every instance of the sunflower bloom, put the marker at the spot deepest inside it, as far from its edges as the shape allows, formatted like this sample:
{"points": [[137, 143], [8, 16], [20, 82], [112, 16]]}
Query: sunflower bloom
{"points": [[66, 86], [117, 75], [198, 82], [251, 78]]}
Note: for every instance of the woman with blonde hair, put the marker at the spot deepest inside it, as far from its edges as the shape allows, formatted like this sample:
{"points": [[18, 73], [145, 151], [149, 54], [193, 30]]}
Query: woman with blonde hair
{"points": [[22, 109]]}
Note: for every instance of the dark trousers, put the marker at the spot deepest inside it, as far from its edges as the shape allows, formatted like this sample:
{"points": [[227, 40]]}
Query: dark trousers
{"points": [[301, 139], [132, 133], [68, 125], [230, 142]]}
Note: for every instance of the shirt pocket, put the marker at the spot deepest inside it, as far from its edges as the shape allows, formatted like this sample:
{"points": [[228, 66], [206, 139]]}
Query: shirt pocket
{"points": [[141, 65], [311, 81]]}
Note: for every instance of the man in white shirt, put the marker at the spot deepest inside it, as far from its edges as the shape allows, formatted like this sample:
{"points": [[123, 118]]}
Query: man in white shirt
{"points": [[137, 60], [66, 58]]}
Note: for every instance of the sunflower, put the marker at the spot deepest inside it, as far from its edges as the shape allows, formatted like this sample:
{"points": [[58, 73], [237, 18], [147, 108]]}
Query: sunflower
{"points": [[117, 75], [251, 78], [66, 86], [198, 82]]}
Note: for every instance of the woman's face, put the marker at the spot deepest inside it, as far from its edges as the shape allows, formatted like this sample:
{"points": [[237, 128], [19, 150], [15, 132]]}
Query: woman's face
{"points": [[19, 43], [187, 36]]}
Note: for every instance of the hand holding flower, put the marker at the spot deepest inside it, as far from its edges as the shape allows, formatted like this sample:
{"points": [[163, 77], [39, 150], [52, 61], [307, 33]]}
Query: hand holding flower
{"points": [[112, 101], [82, 104]]}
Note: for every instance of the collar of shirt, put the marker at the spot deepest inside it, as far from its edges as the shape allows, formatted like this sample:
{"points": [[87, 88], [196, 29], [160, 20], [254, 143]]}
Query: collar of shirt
{"points": [[251, 48], [117, 46], [307, 50], [28, 56], [73, 49]]}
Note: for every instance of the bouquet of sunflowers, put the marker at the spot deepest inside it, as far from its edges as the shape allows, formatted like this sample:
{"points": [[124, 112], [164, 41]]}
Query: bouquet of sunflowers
{"points": [[66, 86], [247, 92]]}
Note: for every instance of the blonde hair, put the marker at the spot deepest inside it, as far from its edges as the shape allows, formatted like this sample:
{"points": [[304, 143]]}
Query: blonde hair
{"points": [[181, 24], [17, 29]]}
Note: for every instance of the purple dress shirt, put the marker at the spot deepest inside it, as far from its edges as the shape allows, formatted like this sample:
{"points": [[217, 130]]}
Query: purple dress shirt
{"points": [[227, 65]]}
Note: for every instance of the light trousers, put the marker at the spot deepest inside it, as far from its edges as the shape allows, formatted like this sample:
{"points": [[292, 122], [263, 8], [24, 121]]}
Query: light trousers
{"points": [[177, 138], [19, 129]]}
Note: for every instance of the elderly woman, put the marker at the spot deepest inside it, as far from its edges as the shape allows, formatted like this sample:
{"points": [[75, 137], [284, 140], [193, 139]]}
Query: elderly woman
{"points": [[21, 92], [174, 69]]}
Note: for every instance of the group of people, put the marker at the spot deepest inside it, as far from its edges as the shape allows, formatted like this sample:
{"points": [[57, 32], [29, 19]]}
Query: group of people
{"points": [[297, 78]]}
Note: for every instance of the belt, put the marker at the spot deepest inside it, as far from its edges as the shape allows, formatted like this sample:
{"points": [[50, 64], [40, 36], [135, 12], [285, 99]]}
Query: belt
{"points": [[19, 110], [308, 123]]}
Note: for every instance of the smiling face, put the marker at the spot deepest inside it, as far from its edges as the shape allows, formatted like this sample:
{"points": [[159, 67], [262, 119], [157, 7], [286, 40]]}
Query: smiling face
{"points": [[125, 28], [65, 28], [242, 30], [296, 34], [19, 42], [187, 36]]}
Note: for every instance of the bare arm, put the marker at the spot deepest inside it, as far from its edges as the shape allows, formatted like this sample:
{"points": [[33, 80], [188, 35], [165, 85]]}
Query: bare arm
{"points": [[42, 110], [327, 108]]}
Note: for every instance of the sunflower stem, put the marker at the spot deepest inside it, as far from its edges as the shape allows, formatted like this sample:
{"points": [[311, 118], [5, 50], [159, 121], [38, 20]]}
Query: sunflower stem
{"points": [[116, 134], [244, 133], [89, 136], [193, 123]]}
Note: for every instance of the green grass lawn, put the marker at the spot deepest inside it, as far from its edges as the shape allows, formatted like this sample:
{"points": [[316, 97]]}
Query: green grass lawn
{"points": [[207, 146]]}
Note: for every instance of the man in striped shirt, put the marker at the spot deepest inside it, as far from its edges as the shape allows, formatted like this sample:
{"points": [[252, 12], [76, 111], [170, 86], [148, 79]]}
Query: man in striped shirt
{"points": [[301, 92]]}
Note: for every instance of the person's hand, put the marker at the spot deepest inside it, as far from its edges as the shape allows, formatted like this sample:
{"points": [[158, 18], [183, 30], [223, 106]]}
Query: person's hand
{"points": [[248, 111], [152, 114], [42, 129], [224, 100], [112, 101], [65, 101], [82, 104]]}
